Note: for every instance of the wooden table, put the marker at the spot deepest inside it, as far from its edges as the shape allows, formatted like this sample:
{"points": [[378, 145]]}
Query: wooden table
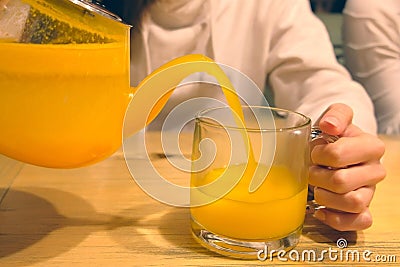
{"points": [[98, 216]]}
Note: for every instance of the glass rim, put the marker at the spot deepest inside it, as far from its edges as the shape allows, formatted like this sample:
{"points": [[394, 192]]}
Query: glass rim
{"points": [[208, 120]]}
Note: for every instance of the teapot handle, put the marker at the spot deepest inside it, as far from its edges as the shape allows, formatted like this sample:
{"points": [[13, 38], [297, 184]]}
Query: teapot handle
{"points": [[317, 134]]}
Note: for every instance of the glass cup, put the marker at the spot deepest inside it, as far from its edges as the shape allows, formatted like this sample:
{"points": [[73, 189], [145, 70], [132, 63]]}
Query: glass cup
{"points": [[249, 180]]}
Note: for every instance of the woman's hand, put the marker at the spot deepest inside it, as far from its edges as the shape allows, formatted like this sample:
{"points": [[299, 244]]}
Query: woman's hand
{"points": [[347, 188]]}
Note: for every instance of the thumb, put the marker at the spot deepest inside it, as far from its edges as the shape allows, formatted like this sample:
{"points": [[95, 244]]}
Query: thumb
{"points": [[335, 119]]}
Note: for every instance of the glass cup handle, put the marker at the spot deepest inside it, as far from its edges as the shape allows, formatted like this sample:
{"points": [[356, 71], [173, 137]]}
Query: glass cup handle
{"points": [[317, 134]]}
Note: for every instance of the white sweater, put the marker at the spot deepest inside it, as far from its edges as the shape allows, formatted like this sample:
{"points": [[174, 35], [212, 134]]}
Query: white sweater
{"points": [[278, 42]]}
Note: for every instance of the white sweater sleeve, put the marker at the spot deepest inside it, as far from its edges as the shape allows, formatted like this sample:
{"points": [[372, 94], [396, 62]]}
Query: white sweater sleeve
{"points": [[372, 48], [303, 70]]}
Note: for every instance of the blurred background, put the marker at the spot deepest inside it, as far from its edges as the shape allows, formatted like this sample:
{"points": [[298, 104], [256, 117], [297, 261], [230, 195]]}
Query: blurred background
{"points": [[330, 13], [327, 6]]}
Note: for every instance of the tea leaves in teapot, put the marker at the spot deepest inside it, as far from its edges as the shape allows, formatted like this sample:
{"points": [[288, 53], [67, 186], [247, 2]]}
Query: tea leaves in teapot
{"points": [[43, 29], [47, 22]]}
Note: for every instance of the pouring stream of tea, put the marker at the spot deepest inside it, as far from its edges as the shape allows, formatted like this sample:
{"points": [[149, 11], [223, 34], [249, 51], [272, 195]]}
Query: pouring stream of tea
{"points": [[158, 89]]}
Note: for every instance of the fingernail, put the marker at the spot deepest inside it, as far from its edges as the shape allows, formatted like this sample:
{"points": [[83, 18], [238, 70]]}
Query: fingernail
{"points": [[333, 121], [320, 215]]}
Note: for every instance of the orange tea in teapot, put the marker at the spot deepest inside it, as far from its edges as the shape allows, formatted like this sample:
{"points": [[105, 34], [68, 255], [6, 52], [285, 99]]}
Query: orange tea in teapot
{"points": [[63, 89], [64, 97]]}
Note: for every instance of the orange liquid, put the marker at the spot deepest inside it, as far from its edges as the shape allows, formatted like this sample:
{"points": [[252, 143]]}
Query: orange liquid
{"points": [[276, 209], [62, 101]]}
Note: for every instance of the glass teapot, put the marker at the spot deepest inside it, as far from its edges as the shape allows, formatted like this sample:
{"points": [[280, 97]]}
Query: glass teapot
{"points": [[64, 82]]}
